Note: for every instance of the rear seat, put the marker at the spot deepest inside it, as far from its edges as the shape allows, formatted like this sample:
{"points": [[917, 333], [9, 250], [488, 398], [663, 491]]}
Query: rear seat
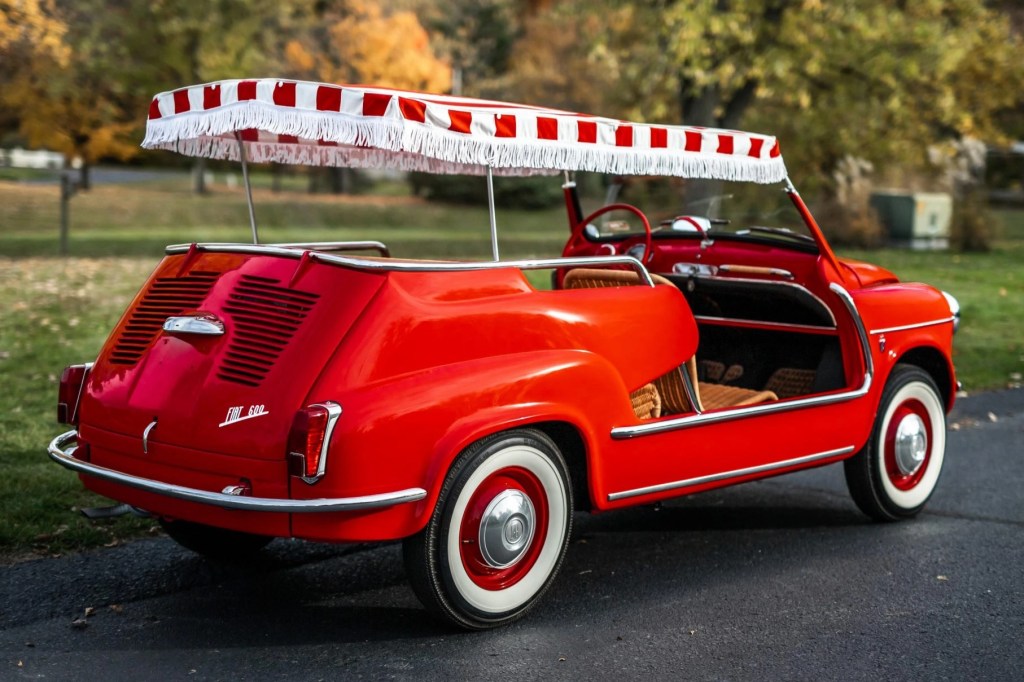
{"points": [[669, 389]]}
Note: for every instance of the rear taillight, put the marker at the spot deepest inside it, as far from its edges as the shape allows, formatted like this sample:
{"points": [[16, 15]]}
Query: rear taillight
{"points": [[72, 383], [309, 439]]}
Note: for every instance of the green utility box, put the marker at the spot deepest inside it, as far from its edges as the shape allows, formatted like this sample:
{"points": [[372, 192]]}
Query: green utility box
{"points": [[918, 220]]}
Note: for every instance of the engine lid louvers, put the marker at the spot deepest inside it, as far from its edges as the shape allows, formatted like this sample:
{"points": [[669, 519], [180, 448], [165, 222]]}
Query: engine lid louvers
{"points": [[264, 317], [166, 297]]}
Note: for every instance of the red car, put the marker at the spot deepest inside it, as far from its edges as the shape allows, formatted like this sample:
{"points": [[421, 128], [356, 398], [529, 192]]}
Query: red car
{"points": [[303, 390]]}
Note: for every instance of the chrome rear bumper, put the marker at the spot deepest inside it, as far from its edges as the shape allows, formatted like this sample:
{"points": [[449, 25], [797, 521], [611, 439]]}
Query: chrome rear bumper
{"points": [[61, 451]]}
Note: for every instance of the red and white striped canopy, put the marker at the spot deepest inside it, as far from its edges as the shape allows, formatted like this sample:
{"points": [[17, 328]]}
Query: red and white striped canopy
{"points": [[320, 124]]}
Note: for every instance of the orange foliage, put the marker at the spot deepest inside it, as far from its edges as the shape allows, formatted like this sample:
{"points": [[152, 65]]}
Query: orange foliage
{"points": [[49, 91], [29, 28], [366, 45], [550, 65]]}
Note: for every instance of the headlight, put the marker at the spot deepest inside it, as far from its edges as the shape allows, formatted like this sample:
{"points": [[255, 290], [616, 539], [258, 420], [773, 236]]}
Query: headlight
{"points": [[954, 309]]}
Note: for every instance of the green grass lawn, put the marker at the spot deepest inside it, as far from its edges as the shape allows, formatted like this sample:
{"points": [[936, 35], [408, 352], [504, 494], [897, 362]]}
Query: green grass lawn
{"points": [[59, 311], [989, 349], [54, 313], [139, 220]]}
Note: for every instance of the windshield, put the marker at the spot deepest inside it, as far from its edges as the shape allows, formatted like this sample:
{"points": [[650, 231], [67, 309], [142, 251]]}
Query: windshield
{"points": [[679, 206]]}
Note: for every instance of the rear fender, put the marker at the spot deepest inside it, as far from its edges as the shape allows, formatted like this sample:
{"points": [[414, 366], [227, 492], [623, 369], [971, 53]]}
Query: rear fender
{"points": [[407, 432]]}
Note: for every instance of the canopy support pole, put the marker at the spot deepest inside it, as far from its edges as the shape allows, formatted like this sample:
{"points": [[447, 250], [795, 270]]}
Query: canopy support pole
{"points": [[493, 215], [815, 230], [248, 188], [572, 202]]}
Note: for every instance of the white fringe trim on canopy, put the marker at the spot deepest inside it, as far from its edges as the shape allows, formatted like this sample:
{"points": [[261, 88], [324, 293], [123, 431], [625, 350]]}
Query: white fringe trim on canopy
{"points": [[328, 138]]}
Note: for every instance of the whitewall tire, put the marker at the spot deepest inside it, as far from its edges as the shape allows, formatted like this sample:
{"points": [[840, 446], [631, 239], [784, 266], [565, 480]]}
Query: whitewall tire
{"points": [[498, 534], [895, 474]]}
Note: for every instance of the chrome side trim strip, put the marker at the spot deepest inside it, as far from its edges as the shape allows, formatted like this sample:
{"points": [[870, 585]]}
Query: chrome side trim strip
{"points": [[691, 390], [61, 454], [420, 266], [738, 473], [779, 325], [688, 421], [848, 301], [932, 323]]}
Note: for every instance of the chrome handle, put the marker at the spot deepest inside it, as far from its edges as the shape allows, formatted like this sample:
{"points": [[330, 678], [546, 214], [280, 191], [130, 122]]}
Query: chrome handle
{"points": [[203, 324]]}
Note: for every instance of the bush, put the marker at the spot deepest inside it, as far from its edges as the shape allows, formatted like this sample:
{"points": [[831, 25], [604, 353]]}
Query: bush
{"points": [[846, 226], [972, 220], [527, 193]]}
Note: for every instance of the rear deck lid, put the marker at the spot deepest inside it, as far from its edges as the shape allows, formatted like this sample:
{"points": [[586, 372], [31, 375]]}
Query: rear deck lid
{"points": [[237, 390]]}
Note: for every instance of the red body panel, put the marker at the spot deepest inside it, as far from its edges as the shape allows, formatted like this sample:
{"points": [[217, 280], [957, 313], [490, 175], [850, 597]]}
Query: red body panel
{"points": [[425, 363], [177, 379]]}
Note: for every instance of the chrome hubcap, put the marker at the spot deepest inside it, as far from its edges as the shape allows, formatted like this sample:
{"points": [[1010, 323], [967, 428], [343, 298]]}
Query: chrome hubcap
{"points": [[911, 444], [506, 528]]}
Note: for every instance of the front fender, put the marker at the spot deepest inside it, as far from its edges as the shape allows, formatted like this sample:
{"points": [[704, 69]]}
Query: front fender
{"points": [[909, 322]]}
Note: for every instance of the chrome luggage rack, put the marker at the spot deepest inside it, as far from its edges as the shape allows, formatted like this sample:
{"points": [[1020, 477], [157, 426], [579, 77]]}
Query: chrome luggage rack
{"points": [[320, 251]]}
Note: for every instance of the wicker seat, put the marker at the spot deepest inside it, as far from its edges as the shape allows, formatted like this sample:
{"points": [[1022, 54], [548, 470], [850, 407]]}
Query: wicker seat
{"points": [[596, 278], [669, 389], [788, 382], [646, 402], [714, 396], [709, 396]]}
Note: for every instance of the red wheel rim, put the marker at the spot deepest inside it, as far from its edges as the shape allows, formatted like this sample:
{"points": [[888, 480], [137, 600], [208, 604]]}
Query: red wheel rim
{"points": [[909, 421], [520, 482]]}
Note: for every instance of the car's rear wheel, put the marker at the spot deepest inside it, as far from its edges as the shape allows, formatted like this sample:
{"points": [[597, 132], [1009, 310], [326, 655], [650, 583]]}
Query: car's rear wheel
{"points": [[215, 543], [498, 534], [893, 476]]}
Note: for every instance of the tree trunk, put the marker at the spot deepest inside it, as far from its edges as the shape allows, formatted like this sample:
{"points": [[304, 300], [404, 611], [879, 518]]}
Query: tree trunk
{"points": [[697, 107], [340, 180], [199, 176], [84, 181], [701, 108], [275, 177]]}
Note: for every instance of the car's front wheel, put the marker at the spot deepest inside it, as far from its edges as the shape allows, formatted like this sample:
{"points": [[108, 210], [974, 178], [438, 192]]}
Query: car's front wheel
{"points": [[893, 476], [498, 534]]}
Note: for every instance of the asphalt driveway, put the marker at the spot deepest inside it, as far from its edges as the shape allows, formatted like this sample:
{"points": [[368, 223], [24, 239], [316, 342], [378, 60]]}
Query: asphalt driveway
{"points": [[779, 579]]}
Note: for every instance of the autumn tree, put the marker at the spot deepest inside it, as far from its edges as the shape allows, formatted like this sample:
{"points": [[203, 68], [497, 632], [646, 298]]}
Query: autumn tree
{"points": [[877, 79], [477, 37], [186, 43], [73, 98], [547, 66], [357, 42], [31, 40]]}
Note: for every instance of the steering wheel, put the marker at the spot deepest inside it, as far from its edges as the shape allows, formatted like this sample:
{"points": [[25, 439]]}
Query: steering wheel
{"points": [[577, 233]]}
